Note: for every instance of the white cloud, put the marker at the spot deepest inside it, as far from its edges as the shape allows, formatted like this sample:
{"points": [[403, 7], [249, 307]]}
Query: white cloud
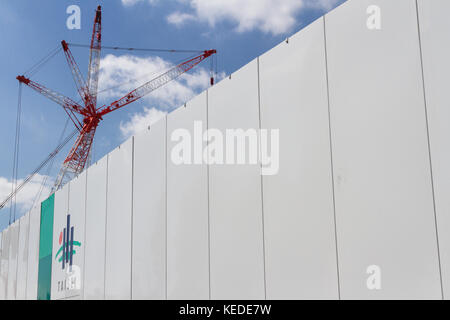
{"points": [[130, 2], [323, 4], [270, 16], [139, 122], [121, 74], [178, 18], [26, 196], [133, 2]]}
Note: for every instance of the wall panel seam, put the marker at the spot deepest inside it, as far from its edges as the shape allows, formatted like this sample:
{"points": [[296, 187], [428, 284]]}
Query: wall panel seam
{"points": [[68, 211], [28, 250], [132, 217], [208, 204], [165, 195], [429, 146], [38, 249], [261, 182], [331, 158], [17, 259], [82, 293], [106, 227]]}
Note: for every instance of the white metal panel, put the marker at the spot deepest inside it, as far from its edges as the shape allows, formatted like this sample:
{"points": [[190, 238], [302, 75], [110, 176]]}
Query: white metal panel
{"points": [[4, 261], [237, 259], [12, 265], [94, 244], [119, 223], [77, 210], [298, 199], [384, 203], [33, 254], [61, 212], [149, 214], [435, 36], [187, 209], [23, 257]]}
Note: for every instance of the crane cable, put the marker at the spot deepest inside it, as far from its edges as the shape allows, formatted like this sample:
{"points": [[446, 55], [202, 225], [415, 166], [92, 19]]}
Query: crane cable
{"points": [[213, 69], [138, 49], [15, 170], [123, 84], [39, 168], [213, 74], [49, 168], [36, 67], [12, 208]]}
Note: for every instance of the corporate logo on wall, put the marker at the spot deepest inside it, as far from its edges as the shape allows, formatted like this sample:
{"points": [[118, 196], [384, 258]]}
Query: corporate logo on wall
{"points": [[64, 256]]}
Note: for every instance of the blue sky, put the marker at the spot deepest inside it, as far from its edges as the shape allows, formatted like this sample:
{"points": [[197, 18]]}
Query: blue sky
{"points": [[240, 30]]}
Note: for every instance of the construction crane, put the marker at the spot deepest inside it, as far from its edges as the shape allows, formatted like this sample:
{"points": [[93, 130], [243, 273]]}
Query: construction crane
{"points": [[90, 114], [85, 115]]}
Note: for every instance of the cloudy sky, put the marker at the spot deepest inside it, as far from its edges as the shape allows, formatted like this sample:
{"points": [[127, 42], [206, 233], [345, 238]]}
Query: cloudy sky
{"points": [[240, 30]]}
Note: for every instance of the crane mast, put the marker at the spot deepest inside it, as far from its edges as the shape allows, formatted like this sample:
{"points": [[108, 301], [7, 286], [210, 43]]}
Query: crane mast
{"points": [[94, 57]]}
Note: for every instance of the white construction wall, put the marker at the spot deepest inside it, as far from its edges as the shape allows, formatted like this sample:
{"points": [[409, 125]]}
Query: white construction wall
{"points": [[298, 202], [13, 263], [4, 261], [187, 211], [149, 214], [95, 237], [33, 254], [383, 187], [22, 258], [359, 208]]}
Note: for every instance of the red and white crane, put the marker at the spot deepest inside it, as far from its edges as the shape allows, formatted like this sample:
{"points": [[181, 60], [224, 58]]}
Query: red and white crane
{"points": [[86, 116]]}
